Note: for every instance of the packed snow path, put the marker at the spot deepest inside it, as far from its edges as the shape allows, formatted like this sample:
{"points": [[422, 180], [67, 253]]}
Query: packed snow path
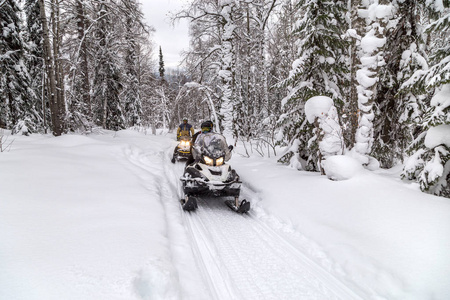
{"points": [[241, 257]]}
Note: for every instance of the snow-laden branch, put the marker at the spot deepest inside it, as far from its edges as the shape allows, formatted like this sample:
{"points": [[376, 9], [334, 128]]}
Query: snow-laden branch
{"points": [[206, 91]]}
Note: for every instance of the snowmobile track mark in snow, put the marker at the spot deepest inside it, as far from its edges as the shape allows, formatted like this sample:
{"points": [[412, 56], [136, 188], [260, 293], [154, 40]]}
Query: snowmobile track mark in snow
{"points": [[259, 262]]}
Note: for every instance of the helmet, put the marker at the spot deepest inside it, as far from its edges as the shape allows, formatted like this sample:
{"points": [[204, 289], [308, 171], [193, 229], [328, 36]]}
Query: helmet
{"points": [[185, 119], [207, 126]]}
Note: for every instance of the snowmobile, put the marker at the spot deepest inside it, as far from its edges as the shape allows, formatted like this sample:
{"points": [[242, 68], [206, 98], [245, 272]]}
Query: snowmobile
{"points": [[183, 149], [210, 175]]}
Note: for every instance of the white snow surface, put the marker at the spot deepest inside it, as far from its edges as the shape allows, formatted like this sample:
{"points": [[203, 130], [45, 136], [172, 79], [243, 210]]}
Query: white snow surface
{"points": [[341, 167], [438, 135], [98, 217]]}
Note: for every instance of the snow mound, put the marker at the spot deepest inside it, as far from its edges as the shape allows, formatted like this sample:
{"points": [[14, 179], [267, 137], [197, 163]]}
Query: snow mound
{"points": [[439, 135], [341, 167], [317, 106]]}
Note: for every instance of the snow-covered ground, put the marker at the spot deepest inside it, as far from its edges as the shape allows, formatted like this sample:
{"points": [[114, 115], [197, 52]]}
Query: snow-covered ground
{"points": [[98, 217]]}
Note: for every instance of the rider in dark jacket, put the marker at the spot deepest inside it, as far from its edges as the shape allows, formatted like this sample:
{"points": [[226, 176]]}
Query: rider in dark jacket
{"points": [[185, 129], [207, 126]]}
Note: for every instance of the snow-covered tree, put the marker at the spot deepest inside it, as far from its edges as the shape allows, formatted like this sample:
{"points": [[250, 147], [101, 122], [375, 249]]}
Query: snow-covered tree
{"points": [[78, 46], [319, 70], [36, 60], [429, 161], [17, 98], [133, 33], [253, 118], [161, 64], [107, 83], [229, 53], [368, 32], [328, 140], [396, 112]]}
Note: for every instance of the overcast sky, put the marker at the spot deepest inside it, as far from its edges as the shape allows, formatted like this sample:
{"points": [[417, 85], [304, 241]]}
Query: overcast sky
{"points": [[172, 39]]}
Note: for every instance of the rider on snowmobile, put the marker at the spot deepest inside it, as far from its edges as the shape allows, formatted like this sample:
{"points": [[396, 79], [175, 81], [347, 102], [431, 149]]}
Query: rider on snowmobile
{"points": [[184, 129], [184, 132], [209, 141], [206, 173], [205, 135]]}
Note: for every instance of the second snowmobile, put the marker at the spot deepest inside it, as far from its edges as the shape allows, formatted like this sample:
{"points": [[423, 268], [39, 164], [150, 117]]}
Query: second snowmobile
{"points": [[210, 175], [183, 149]]}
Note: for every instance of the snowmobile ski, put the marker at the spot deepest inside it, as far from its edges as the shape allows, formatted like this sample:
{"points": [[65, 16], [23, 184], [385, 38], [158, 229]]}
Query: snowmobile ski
{"points": [[242, 208], [189, 204]]}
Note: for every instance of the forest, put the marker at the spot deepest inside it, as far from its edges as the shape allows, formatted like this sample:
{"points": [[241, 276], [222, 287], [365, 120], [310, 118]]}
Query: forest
{"points": [[252, 65]]}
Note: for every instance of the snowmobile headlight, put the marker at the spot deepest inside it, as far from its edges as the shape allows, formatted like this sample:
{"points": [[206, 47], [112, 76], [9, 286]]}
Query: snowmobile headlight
{"points": [[183, 143], [219, 161], [209, 161]]}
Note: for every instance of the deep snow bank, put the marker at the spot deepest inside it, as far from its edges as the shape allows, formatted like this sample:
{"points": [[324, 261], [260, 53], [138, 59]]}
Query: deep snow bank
{"points": [[80, 218], [380, 235]]}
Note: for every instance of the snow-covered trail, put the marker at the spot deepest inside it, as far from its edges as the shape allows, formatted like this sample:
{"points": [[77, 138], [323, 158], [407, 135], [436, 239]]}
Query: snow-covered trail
{"points": [[242, 257]]}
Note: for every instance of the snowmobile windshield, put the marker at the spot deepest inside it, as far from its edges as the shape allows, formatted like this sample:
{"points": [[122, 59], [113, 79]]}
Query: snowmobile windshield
{"points": [[212, 144]]}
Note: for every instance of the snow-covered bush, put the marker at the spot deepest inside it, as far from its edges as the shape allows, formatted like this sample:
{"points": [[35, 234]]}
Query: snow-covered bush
{"points": [[321, 112], [341, 167], [429, 162], [24, 127]]}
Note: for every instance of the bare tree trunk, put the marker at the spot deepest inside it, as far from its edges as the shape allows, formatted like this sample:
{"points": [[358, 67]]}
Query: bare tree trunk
{"points": [[50, 68], [319, 139], [81, 26], [44, 115], [59, 76], [356, 24]]}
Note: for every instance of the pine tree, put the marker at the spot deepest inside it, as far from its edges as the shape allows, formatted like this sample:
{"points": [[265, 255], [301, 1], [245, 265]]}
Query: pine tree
{"points": [[17, 98], [161, 64], [319, 70], [396, 111], [36, 61], [429, 161]]}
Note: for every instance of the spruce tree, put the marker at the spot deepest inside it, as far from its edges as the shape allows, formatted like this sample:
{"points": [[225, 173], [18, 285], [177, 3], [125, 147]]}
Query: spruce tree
{"points": [[429, 161], [36, 61], [161, 64], [17, 99], [396, 111], [319, 70]]}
